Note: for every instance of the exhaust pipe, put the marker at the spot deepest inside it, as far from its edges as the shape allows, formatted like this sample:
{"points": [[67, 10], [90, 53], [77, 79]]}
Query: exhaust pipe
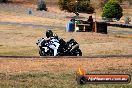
{"points": [[74, 47]]}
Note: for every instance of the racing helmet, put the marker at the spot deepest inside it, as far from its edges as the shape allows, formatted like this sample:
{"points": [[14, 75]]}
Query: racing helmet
{"points": [[49, 33]]}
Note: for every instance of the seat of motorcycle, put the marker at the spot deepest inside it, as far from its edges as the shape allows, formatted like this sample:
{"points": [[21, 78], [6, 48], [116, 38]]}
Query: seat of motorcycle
{"points": [[61, 41]]}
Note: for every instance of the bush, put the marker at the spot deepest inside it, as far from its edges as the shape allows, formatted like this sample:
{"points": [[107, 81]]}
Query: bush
{"points": [[42, 5], [82, 6], [112, 10]]}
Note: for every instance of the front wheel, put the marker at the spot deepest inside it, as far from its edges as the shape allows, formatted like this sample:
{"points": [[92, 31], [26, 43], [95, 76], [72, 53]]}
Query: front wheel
{"points": [[42, 53]]}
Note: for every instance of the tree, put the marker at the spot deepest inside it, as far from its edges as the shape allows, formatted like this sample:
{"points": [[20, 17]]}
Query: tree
{"points": [[102, 3], [82, 6], [112, 10], [42, 5]]}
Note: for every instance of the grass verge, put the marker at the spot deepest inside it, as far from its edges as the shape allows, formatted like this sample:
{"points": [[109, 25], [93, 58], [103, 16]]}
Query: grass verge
{"points": [[59, 73], [49, 80]]}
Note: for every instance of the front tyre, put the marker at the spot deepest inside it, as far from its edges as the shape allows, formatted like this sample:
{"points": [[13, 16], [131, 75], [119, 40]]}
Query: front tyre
{"points": [[42, 53]]}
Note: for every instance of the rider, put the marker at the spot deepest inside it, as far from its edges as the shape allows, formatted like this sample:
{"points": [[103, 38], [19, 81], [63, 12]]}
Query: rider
{"points": [[53, 42]]}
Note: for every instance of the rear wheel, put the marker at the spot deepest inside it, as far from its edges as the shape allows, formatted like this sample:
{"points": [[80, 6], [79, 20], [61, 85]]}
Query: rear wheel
{"points": [[78, 52]]}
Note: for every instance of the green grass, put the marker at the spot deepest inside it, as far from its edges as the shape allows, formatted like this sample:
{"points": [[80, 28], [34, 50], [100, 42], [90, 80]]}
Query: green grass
{"points": [[19, 52], [49, 80]]}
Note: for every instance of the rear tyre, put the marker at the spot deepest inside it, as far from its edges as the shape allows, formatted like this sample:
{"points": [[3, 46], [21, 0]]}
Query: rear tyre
{"points": [[78, 52]]}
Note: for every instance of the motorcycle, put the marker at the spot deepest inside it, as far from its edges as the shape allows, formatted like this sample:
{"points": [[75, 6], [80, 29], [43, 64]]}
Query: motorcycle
{"points": [[69, 48]]}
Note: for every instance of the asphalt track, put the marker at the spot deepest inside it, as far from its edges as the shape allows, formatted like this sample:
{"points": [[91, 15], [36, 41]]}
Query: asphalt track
{"points": [[43, 57], [33, 25]]}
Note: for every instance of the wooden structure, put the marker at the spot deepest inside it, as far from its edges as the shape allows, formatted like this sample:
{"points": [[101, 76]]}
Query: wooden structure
{"points": [[83, 27], [99, 27]]}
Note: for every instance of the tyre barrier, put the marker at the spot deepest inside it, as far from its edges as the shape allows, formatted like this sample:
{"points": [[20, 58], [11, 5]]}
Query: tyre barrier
{"points": [[120, 25]]}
